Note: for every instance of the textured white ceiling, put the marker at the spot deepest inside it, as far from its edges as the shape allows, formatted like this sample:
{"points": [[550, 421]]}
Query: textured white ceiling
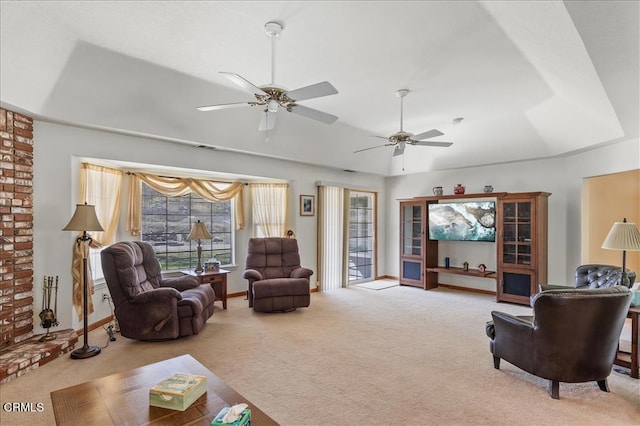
{"points": [[531, 79]]}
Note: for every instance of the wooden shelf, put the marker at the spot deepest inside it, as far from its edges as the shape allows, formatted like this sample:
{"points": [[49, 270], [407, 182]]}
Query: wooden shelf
{"points": [[460, 271], [455, 196]]}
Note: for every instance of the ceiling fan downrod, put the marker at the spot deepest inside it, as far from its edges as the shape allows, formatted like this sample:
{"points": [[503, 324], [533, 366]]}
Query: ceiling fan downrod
{"points": [[273, 30], [401, 94]]}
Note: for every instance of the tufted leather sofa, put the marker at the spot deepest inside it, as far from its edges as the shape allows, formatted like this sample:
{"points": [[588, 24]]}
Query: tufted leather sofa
{"points": [[276, 280], [147, 306], [553, 346], [596, 276]]}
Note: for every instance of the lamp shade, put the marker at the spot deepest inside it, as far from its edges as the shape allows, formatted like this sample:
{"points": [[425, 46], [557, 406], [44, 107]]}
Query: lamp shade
{"points": [[623, 236], [84, 219], [199, 232]]}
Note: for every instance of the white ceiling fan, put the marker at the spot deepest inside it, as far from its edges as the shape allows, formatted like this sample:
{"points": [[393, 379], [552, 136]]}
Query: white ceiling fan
{"points": [[273, 97], [401, 139]]}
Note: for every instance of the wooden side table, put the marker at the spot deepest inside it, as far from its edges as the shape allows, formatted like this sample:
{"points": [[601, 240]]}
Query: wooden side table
{"points": [[627, 360], [218, 281]]}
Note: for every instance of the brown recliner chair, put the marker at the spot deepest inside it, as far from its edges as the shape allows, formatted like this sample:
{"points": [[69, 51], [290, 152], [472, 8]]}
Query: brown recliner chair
{"points": [[572, 336], [147, 306], [277, 282]]}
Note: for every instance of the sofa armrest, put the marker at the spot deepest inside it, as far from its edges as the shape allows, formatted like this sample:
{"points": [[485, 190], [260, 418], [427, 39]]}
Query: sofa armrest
{"points": [[252, 275], [547, 287], [513, 339], [301, 273], [156, 295], [182, 283], [518, 324]]}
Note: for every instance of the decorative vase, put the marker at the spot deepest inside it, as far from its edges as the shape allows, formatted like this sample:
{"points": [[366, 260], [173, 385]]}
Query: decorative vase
{"points": [[437, 190], [458, 189], [488, 188]]}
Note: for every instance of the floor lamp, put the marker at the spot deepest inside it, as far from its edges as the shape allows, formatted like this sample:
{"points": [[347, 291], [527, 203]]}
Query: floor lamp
{"points": [[623, 236], [84, 219]]}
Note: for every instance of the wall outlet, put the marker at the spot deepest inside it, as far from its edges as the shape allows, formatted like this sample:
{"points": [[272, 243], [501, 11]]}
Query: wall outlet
{"points": [[105, 296]]}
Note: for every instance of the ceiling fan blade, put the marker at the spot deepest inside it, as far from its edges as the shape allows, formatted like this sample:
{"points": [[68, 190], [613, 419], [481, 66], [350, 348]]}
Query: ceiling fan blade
{"points": [[314, 91], [399, 149], [221, 106], [313, 114], [381, 137], [267, 120], [432, 143], [372, 147], [244, 83], [428, 134]]}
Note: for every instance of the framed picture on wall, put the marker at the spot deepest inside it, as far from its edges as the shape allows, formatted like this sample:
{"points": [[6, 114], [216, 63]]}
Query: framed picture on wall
{"points": [[307, 205]]}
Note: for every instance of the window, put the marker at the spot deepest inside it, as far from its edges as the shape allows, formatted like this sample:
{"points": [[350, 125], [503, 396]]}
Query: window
{"points": [[269, 207], [166, 223], [96, 264]]}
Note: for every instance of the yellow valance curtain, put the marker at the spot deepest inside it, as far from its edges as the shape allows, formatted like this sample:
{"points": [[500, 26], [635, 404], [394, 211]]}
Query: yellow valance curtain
{"points": [[176, 187], [99, 186]]}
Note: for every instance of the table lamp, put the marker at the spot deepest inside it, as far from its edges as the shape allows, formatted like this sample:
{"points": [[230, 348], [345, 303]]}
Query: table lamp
{"points": [[623, 236], [199, 232], [84, 219]]}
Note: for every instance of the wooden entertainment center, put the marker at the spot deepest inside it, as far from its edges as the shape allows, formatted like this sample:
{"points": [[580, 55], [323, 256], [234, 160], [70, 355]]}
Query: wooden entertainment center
{"points": [[521, 243]]}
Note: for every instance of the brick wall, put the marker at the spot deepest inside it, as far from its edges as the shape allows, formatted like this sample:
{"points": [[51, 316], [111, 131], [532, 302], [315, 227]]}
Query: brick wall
{"points": [[16, 228]]}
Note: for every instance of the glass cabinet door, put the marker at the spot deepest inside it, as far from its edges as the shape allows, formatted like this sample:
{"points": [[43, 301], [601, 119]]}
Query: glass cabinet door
{"points": [[412, 230], [517, 231], [412, 250]]}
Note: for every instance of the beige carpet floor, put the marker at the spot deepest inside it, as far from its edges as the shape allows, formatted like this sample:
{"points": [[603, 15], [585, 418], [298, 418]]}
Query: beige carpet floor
{"points": [[356, 357]]}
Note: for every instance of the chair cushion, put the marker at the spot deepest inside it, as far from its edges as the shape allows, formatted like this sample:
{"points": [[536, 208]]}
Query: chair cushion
{"points": [[279, 287], [273, 257]]}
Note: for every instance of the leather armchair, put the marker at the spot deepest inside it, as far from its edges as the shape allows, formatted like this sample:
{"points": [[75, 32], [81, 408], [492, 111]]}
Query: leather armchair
{"points": [[276, 281], [596, 276], [148, 306], [572, 336]]}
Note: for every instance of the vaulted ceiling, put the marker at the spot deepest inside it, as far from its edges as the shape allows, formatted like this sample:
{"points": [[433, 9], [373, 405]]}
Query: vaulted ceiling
{"points": [[532, 79]]}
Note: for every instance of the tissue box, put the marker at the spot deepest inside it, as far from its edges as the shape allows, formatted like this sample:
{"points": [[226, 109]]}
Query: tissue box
{"points": [[244, 419], [178, 391], [635, 297]]}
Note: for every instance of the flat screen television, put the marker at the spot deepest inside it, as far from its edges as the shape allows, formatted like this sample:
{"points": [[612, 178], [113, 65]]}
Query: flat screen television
{"points": [[463, 221]]}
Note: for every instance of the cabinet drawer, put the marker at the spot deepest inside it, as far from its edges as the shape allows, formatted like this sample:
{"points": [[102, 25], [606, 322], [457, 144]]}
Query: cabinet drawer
{"points": [[210, 279]]}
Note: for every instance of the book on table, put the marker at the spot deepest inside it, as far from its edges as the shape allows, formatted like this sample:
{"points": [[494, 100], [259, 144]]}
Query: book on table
{"points": [[178, 391]]}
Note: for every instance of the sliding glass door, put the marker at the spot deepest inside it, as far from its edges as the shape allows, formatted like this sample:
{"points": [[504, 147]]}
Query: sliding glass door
{"points": [[346, 236], [361, 255]]}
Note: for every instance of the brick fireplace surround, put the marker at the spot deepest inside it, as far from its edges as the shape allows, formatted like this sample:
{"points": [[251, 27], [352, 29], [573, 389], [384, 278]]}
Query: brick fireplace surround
{"points": [[20, 350]]}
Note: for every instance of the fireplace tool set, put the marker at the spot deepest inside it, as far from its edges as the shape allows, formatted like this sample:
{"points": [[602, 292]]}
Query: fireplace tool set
{"points": [[48, 315]]}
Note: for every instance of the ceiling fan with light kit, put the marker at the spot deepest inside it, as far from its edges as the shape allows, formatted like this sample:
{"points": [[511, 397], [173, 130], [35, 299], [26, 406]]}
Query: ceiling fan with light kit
{"points": [[273, 97], [401, 139]]}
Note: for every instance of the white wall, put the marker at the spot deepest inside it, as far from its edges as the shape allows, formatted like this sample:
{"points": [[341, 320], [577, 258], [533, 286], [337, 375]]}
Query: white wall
{"points": [[57, 152], [560, 176]]}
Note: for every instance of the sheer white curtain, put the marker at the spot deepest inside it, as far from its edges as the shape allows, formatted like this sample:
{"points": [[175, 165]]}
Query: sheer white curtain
{"points": [[269, 203], [331, 240]]}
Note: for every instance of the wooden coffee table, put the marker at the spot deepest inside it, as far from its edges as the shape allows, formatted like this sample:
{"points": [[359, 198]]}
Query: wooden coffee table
{"points": [[123, 398]]}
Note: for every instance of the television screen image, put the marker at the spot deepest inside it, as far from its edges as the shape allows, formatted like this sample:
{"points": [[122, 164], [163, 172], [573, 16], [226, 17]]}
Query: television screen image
{"points": [[463, 221]]}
